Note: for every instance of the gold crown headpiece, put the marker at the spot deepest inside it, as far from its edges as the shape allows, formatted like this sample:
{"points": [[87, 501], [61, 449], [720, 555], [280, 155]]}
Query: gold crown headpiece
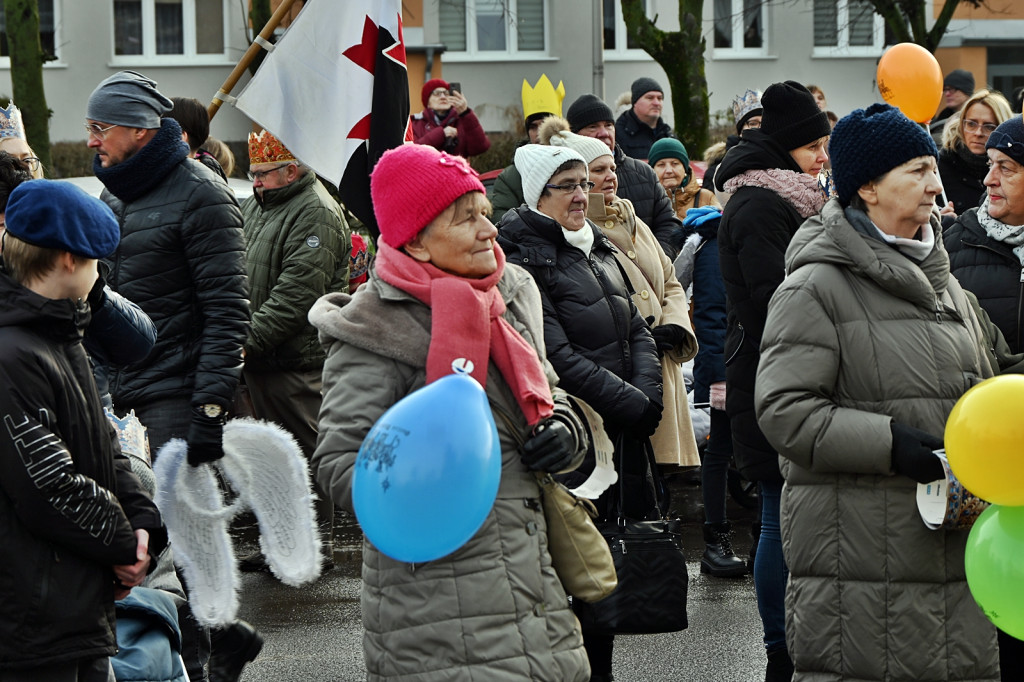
{"points": [[11, 124], [265, 148], [542, 98]]}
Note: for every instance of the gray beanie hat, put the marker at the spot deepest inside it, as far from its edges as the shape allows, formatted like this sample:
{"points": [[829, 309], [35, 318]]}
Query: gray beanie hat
{"points": [[128, 99]]}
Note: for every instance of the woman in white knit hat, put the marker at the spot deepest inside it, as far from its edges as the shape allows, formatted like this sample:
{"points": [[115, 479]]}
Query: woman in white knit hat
{"points": [[657, 293], [595, 338]]}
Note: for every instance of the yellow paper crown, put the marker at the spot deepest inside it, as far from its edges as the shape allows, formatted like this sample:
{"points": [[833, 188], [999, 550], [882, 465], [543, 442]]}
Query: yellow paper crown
{"points": [[265, 148], [11, 124], [542, 98]]}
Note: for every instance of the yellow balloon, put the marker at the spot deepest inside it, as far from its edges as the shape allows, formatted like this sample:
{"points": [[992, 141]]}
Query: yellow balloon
{"points": [[910, 78], [985, 440]]}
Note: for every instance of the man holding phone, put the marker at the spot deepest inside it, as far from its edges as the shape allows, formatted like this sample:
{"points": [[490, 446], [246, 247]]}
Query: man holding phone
{"points": [[446, 122]]}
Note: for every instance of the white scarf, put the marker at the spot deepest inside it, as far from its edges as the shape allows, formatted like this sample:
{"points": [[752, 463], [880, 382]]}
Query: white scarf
{"points": [[1001, 232], [918, 249]]}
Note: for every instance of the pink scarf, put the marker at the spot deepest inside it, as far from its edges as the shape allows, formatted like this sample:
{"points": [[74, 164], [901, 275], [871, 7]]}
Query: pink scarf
{"points": [[467, 327]]}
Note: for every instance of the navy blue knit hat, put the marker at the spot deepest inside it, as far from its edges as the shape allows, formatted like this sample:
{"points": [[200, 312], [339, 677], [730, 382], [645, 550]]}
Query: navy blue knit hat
{"points": [[1008, 138], [58, 215], [868, 143], [587, 109]]}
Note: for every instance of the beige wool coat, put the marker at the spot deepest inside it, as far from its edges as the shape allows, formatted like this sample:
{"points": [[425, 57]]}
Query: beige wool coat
{"points": [[494, 609], [657, 294]]}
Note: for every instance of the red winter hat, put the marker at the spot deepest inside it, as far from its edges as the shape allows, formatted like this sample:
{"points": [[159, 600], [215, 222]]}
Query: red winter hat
{"points": [[413, 184], [429, 87]]}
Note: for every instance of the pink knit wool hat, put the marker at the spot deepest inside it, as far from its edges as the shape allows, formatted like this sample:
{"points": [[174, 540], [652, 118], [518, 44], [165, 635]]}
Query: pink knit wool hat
{"points": [[413, 184]]}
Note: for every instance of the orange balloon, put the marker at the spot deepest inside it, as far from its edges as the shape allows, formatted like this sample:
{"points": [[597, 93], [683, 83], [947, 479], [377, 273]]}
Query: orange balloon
{"points": [[909, 78]]}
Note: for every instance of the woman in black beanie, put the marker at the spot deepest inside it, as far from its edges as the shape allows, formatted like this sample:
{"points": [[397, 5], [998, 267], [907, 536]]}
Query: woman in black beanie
{"points": [[773, 176]]}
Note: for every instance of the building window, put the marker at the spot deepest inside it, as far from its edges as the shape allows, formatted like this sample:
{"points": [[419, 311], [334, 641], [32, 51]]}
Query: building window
{"points": [[158, 29], [493, 27], [615, 38], [847, 27], [740, 27], [47, 30]]}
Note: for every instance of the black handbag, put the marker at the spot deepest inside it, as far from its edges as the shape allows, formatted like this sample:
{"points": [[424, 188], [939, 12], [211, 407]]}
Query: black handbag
{"points": [[651, 569]]}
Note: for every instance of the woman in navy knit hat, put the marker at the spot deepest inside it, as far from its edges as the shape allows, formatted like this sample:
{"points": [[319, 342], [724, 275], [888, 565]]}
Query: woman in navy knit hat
{"points": [[868, 344]]}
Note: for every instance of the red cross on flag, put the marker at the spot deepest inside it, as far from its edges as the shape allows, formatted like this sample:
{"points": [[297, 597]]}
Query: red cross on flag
{"points": [[335, 91]]}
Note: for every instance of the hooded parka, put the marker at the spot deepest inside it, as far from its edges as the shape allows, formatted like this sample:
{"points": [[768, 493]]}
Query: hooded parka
{"points": [[660, 299], [494, 609], [859, 336]]}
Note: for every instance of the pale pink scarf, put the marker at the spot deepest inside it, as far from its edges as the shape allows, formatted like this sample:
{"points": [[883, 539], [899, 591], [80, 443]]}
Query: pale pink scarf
{"points": [[468, 324]]}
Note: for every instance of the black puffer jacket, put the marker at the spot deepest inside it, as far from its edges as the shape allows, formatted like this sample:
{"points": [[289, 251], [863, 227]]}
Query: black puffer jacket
{"points": [[991, 271], [68, 507], [635, 137], [596, 340], [182, 260], [963, 183], [639, 184], [755, 230]]}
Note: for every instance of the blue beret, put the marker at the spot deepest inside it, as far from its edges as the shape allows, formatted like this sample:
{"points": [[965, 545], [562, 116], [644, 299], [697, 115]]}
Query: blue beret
{"points": [[59, 215]]}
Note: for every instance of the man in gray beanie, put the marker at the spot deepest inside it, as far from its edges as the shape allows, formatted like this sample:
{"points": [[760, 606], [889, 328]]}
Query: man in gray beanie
{"points": [[641, 126], [957, 88], [181, 258], [591, 117]]}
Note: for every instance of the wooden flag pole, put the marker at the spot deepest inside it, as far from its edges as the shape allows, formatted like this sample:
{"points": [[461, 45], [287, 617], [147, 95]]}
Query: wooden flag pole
{"points": [[260, 43]]}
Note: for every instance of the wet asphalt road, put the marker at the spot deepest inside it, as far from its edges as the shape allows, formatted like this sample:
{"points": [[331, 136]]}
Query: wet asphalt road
{"points": [[313, 634]]}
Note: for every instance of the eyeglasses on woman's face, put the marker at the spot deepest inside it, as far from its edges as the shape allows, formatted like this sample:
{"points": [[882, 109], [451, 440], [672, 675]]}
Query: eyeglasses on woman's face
{"points": [[32, 163], [570, 187], [972, 126]]}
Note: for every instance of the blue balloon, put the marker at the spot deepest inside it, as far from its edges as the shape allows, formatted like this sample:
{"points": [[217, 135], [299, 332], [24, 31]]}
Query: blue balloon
{"points": [[427, 473]]}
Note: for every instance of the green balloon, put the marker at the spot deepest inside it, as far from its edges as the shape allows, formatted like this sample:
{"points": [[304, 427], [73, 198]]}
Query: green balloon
{"points": [[995, 569]]}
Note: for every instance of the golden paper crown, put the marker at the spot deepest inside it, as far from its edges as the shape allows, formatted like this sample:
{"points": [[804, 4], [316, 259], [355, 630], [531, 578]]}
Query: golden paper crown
{"points": [[265, 148], [11, 124], [542, 98]]}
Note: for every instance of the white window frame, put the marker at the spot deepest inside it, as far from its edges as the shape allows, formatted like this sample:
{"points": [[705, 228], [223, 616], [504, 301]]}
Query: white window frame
{"points": [[737, 34], [189, 57], [843, 47], [620, 52], [5, 62], [512, 51]]}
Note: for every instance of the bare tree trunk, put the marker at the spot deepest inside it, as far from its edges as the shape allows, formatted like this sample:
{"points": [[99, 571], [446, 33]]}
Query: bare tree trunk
{"points": [[681, 54], [906, 19], [27, 73]]}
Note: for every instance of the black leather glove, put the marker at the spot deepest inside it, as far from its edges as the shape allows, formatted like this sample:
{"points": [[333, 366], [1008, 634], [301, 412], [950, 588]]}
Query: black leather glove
{"points": [[912, 454], [668, 336], [647, 424], [551, 448], [205, 438]]}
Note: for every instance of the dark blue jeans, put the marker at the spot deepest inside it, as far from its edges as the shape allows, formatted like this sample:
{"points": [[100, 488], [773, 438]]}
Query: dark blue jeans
{"points": [[770, 571]]}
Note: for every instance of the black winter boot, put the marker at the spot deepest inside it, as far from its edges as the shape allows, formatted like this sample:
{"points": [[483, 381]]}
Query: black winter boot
{"points": [[780, 666], [719, 560], [233, 646]]}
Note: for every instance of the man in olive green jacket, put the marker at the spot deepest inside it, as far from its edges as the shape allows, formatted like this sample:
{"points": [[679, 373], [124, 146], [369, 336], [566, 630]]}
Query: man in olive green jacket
{"points": [[297, 250]]}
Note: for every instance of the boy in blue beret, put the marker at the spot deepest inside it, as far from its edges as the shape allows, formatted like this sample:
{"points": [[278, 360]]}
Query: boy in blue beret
{"points": [[77, 528]]}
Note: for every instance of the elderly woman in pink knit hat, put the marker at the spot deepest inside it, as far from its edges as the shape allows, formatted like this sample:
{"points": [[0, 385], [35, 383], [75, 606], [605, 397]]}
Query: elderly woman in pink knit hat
{"points": [[494, 609]]}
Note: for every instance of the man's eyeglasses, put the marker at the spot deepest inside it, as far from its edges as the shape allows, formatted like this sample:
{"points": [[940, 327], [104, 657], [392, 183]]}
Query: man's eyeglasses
{"points": [[259, 175], [96, 131], [440, 92], [986, 128], [569, 188]]}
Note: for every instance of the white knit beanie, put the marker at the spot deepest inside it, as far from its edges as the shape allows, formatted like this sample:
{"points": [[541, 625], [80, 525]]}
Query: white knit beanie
{"points": [[537, 164]]}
